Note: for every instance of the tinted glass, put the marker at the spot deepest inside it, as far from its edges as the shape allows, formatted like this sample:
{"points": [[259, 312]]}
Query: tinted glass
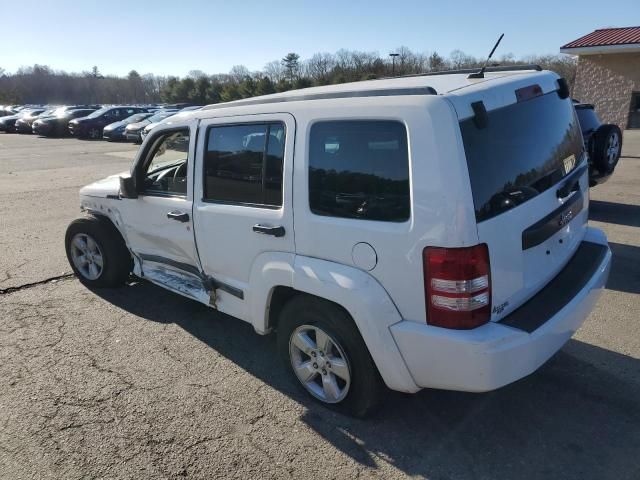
{"points": [[98, 113], [77, 113], [359, 169], [525, 149], [243, 164], [167, 170], [588, 119]]}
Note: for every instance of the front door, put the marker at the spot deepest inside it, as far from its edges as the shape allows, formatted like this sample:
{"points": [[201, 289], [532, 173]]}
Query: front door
{"points": [[158, 223], [243, 205]]}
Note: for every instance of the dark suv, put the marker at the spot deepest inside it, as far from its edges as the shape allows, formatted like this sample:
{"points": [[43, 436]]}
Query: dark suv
{"points": [[602, 141], [92, 125]]}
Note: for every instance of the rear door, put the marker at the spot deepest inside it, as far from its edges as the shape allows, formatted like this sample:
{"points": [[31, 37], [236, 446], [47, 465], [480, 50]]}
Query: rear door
{"points": [[243, 201], [529, 180]]}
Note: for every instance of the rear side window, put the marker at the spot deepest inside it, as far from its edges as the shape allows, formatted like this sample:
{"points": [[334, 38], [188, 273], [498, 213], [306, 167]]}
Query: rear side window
{"points": [[359, 169], [243, 164]]}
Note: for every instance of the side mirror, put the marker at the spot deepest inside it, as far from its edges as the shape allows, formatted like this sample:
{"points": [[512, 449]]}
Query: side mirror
{"points": [[128, 187]]}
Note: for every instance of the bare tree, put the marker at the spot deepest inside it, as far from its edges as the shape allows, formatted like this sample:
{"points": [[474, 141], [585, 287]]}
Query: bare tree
{"points": [[274, 70], [238, 73], [319, 67]]}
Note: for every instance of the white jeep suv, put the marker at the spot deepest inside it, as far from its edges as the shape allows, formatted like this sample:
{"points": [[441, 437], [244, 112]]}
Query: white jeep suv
{"points": [[426, 231]]}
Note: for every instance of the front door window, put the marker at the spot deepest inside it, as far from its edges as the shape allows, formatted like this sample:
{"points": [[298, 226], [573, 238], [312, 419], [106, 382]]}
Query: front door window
{"points": [[166, 172]]}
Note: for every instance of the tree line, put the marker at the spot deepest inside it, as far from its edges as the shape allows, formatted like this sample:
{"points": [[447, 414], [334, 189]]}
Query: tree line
{"points": [[41, 84]]}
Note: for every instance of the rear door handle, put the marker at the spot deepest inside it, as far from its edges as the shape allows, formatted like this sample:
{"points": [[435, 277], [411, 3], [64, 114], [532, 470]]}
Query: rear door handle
{"points": [[178, 216], [269, 230]]}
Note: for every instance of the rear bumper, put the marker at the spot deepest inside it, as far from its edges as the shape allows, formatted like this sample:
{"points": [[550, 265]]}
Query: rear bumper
{"points": [[499, 353]]}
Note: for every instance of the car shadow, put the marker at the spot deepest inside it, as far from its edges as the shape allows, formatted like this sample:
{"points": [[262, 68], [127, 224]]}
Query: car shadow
{"points": [[612, 212], [577, 417], [625, 268]]}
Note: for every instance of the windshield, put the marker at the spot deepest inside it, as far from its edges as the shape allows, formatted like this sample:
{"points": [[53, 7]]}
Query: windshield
{"points": [[136, 118], [74, 113], [526, 148], [97, 113], [160, 116]]}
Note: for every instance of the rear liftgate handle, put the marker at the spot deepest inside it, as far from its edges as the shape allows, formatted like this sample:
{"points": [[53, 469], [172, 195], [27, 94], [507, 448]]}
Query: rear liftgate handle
{"points": [[269, 230]]}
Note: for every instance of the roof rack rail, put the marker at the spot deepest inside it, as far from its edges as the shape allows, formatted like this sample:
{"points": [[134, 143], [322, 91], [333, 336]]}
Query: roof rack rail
{"points": [[385, 92], [501, 68]]}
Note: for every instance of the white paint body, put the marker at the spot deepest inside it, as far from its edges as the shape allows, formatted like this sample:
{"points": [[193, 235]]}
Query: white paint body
{"points": [[371, 268]]}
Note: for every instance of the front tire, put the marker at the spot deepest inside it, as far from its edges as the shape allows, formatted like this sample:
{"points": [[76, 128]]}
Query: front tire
{"points": [[97, 253], [95, 134], [326, 355]]}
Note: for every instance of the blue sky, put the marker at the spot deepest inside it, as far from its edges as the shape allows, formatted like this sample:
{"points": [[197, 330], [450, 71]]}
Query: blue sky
{"points": [[172, 37]]}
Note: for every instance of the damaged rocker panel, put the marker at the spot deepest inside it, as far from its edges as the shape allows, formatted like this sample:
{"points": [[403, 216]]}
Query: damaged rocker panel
{"points": [[209, 283]]}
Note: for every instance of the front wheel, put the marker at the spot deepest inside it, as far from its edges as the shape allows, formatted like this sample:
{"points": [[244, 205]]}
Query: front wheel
{"points": [[96, 252], [95, 133], [327, 356]]}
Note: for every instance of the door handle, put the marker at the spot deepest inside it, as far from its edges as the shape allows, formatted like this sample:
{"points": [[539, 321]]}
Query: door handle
{"points": [[269, 230], [178, 216]]}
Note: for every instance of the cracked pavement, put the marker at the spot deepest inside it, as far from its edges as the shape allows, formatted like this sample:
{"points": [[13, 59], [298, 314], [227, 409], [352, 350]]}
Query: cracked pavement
{"points": [[140, 383]]}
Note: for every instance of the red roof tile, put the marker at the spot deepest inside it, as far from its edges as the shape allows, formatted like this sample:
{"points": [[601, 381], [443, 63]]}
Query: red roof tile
{"points": [[607, 36]]}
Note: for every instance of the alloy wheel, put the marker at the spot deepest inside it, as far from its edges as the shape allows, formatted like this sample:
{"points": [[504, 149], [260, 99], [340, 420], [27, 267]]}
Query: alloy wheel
{"points": [[87, 256], [320, 363], [613, 149]]}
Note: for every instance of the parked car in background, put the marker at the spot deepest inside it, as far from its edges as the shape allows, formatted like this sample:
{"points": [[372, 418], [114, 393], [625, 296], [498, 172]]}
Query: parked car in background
{"points": [[65, 108], [92, 125], [192, 108], [116, 131], [24, 123], [145, 131], [602, 141], [8, 123], [147, 128], [57, 125], [133, 131], [11, 110], [440, 236]]}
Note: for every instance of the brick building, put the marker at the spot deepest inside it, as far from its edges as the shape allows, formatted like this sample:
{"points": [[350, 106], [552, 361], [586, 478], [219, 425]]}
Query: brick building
{"points": [[608, 74]]}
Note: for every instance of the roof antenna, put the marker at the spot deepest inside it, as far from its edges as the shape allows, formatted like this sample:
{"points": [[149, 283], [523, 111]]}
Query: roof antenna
{"points": [[480, 74]]}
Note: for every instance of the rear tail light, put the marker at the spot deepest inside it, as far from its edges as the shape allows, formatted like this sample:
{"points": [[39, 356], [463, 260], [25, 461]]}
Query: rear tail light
{"points": [[457, 285]]}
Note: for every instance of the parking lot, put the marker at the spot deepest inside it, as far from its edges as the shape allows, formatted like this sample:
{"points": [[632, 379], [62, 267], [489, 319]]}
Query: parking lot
{"points": [[141, 383]]}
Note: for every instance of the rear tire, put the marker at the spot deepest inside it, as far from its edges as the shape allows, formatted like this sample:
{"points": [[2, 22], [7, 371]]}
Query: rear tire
{"points": [[97, 253], [607, 146], [318, 340]]}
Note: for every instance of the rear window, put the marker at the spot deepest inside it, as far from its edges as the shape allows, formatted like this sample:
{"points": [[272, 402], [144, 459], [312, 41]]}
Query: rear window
{"points": [[359, 169], [525, 149]]}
